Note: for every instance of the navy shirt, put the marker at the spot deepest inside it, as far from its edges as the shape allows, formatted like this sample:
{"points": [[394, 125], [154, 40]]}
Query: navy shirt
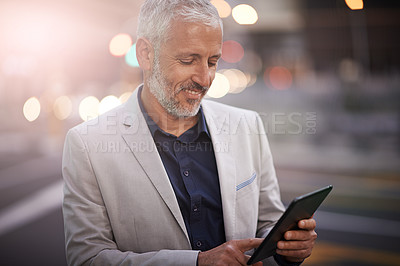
{"points": [[189, 161]]}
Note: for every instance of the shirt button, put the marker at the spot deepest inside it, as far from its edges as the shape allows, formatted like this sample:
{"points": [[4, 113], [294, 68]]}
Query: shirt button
{"points": [[195, 209], [199, 244], [186, 173]]}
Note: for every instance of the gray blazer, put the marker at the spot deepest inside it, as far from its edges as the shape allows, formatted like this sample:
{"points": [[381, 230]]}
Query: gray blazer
{"points": [[119, 206]]}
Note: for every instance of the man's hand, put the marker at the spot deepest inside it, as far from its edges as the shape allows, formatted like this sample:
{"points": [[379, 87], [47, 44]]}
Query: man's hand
{"points": [[229, 253], [299, 243]]}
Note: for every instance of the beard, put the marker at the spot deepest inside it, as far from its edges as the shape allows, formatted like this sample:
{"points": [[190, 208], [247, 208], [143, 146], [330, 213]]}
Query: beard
{"points": [[162, 90]]}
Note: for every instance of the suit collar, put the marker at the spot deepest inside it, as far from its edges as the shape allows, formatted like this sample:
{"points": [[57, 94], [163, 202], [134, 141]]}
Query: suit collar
{"points": [[138, 137]]}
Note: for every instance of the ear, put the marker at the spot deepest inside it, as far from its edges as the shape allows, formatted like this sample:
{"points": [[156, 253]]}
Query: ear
{"points": [[144, 53]]}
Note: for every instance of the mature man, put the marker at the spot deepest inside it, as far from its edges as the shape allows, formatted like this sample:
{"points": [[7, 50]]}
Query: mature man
{"points": [[169, 179]]}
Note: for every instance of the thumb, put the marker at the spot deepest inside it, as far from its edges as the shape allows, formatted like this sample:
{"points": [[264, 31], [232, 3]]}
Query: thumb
{"points": [[249, 243]]}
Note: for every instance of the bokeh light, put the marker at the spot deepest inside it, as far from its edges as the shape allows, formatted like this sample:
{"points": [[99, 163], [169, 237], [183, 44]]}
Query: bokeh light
{"points": [[219, 87], [278, 77], [224, 9], [120, 44], [251, 79], [31, 109], [89, 108], [108, 103], [232, 51], [130, 57], [62, 107], [237, 80], [244, 14], [125, 96], [355, 4]]}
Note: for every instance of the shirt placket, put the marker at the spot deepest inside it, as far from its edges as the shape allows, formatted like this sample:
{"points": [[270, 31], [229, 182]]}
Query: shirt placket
{"points": [[188, 177]]}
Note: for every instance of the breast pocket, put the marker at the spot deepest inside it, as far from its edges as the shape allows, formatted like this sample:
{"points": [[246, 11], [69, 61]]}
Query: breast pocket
{"points": [[247, 202]]}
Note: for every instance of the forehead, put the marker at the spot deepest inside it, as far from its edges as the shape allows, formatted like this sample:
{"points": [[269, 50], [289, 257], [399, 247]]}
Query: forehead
{"points": [[189, 37]]}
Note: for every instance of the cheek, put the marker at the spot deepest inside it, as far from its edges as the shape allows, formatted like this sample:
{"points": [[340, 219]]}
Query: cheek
{"points": [[181, 77]]}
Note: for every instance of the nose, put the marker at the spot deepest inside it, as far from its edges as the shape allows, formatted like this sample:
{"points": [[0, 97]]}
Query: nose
{"points": [[203, 75]]}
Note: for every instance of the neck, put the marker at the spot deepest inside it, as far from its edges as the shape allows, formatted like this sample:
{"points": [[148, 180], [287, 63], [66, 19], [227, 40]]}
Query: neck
{"points": [[167, 122]]}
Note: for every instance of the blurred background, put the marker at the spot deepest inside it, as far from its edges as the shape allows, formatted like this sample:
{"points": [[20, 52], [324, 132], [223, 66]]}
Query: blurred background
{"points": [[324, 76]]}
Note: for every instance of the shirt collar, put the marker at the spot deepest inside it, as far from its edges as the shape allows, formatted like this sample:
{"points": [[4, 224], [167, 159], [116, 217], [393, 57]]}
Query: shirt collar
{"points": [[195, 131]]}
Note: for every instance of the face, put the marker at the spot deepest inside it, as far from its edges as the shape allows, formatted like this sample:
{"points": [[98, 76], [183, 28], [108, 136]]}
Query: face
{"points": [[184, 67]]}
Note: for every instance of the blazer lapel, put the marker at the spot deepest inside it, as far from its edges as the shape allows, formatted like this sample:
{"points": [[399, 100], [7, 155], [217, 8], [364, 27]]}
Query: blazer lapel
{"points": [[138, 137], [218, 126]]}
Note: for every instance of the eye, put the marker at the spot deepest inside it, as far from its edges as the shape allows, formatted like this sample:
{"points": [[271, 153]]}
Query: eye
{"points": [[186, 61], [212, 64]]}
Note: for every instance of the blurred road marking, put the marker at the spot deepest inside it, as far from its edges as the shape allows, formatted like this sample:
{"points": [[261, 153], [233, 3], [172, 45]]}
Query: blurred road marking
{"points": [[31, 208], [357, 224]]}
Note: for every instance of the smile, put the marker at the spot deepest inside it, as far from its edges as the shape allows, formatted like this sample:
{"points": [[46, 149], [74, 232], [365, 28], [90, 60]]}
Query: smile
{"points": [[193, 92]]}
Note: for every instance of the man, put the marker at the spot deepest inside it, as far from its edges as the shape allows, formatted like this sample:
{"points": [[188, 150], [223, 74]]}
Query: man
{"points": [[169, 179]]}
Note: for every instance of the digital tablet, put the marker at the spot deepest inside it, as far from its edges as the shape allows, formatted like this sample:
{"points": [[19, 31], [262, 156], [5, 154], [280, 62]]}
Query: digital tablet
{"points": [[300, 208]]}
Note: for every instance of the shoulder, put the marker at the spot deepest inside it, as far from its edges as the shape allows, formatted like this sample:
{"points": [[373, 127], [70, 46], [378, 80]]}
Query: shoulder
{"points": [[125, 114], [102, 124]]}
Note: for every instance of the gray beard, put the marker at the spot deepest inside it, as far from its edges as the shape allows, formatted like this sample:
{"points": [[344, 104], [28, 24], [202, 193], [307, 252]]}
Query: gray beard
{"points": [[158, 87]]}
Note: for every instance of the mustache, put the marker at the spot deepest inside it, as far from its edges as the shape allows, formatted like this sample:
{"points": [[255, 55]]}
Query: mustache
{"points": [[194, 86]]}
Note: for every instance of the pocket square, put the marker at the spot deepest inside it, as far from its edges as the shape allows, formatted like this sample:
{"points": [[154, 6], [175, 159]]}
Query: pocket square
{"points": [[247, 182]]}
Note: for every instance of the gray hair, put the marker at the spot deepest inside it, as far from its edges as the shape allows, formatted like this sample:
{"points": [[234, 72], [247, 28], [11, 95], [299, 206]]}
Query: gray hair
{"points": [[156, 15]]}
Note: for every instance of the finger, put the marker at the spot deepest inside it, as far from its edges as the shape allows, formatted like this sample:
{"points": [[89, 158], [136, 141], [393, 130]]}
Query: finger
{"points": [[297, 255], [242, 259], [234, 250], [295, 245], [308, 224], [300, 235], [247, 244], [258, 263]]}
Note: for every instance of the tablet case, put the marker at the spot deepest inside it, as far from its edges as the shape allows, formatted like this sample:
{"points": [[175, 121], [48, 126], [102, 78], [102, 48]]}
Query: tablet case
{"points": [[300, 208]]}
